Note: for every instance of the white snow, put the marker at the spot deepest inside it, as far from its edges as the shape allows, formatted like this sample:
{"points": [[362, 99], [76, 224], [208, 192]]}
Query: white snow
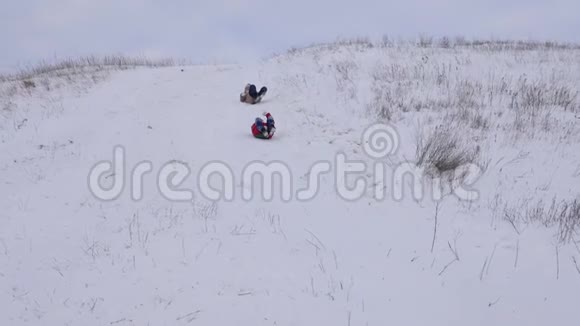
{"points": [[68, 258]]}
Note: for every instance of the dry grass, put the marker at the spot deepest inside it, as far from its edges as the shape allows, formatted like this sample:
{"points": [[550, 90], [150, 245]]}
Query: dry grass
{"points": [[521, 103], [444, 42], [444, 151], [563, 214], [79, 73], [75, 65]]}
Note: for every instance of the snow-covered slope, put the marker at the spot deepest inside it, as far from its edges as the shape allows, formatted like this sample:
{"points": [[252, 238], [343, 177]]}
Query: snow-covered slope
{"points": [[68, 258]]}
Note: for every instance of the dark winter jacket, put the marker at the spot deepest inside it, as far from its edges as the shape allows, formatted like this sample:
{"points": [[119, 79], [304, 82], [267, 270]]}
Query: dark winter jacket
{"points": [[251, 96]]}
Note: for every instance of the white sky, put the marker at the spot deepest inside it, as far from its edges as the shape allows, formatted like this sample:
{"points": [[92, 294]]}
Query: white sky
{"points": [[241, 30]]}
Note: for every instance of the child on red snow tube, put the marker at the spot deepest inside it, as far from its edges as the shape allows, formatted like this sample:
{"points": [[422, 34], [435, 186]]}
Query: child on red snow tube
{"points": [[264, 130]]}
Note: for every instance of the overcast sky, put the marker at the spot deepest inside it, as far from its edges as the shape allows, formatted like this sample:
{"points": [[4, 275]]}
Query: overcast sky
{"points": [[242, 30]]}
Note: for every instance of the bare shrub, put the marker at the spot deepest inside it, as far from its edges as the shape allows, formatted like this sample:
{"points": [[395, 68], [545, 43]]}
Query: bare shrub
{"points": [[444, 42], [205, 211], [382, 104], [468, 94], [390, 88], [425, 41], [386, 41], [564, 97], [478, 121], [443, 151], [346, 71], [568, 219], [529, 97], [389, 101], [533, 102], [442, 76], [461, 41], [28, 84], [391, 73], [359, 42]]}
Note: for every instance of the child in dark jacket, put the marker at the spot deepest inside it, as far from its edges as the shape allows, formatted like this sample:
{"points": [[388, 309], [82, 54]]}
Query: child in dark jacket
{"points": [[264, 130], [251, 95]]}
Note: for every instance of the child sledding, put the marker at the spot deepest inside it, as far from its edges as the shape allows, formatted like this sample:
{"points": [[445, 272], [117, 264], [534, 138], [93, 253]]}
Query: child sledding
{"points": [[264, 129], [251, 95]]}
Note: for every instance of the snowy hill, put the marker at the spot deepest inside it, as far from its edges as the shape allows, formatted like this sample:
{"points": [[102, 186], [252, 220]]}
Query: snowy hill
{"points": [[397, 253]]}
